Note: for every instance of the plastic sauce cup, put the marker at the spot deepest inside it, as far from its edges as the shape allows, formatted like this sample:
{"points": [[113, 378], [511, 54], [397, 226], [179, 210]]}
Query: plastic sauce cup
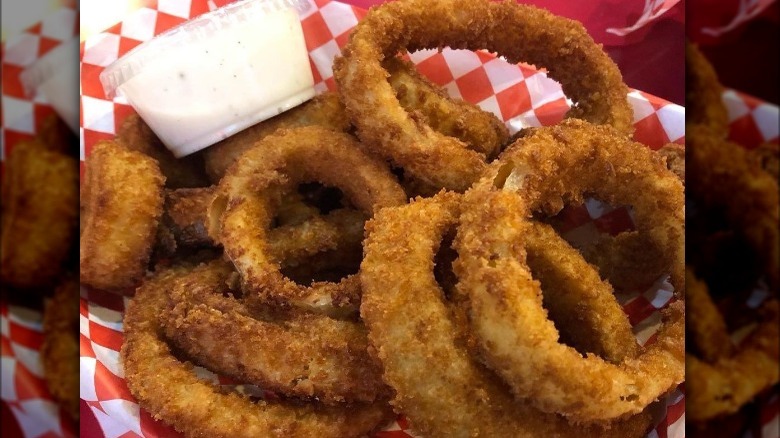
{"points": [[206, 79], [56, 76]]}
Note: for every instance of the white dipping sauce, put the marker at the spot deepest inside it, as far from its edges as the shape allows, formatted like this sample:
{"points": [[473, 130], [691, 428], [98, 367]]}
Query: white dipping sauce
{"points": [[225, 79]]}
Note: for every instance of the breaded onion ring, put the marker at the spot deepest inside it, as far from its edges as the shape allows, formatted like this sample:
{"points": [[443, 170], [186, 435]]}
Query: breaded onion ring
{"points": [[307, 356], [40, 207], [184, 172], [586, 73], [323, 110], [240, 215], [122, 202], [521, 344], [198, 408], [724, 386], [555, 165], [721, 175], [438, 385], [480, 130], [60, 349], [703, 102]]}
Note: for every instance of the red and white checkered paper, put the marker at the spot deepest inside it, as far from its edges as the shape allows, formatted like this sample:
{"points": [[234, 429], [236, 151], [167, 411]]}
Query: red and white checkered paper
{"points": [[517, 94], [24, 392]]}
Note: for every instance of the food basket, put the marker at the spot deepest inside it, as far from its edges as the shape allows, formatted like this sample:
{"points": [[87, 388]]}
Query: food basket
{"points": [[27, 407], [518, 94]]}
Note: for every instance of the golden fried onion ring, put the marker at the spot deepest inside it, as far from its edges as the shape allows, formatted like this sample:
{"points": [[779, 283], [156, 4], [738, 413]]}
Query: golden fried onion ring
{"points": [[307, 356], [198, 408], [443, 390], [242, 210], [521, 344], [555, 165], [520, 33], [122, 201]]}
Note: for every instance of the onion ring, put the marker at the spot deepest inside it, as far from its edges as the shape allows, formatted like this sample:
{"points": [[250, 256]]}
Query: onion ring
{"points": [[586, 73], [245, 200], [308, 356], [40, 198], [703, 93], [521, 344], [60, 348], [551, 166], [721, 175], [178, 397], [122, 204], [438, 385], [323, 110]]}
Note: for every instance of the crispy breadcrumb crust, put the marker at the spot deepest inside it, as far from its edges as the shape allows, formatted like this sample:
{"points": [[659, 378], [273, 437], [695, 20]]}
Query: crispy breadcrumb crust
{"points": [[171, 391], [122, 203]]}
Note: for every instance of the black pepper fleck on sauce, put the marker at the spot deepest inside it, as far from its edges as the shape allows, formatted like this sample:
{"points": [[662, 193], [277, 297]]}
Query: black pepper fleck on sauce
{"points": [[181, 75]]}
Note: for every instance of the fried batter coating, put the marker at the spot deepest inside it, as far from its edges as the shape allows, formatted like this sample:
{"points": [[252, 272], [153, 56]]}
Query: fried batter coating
{"points": [[245, 201], [552, 166], [675, 159], [122, 206], [184, 172], [186, 215], [337, 229], [722, 387], [571, 56], [722, 176], [706, 330], [308, 233], [582, 305], [171, 391], [60, 349], [40, 209], [323, 110], [703, 102], [442, 389], [308, 356], [480, 130], [521, 344]]}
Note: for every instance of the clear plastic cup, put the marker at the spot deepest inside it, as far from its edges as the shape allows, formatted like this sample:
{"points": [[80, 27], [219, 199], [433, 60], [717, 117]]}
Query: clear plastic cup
{"points": [[213, 76], [56, 76]]}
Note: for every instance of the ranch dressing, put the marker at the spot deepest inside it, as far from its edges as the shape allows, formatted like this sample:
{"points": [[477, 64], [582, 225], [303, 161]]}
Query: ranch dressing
{"points": [[221, 73]]}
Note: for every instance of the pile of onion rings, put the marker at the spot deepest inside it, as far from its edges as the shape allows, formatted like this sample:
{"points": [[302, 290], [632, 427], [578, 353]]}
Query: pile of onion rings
{"points": [[733, 246], [301, 269]]}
